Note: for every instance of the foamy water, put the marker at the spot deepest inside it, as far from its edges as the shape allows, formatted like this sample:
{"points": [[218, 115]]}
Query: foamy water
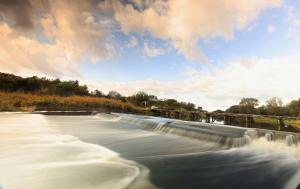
{"points": [[87, 152], [35, 156]]}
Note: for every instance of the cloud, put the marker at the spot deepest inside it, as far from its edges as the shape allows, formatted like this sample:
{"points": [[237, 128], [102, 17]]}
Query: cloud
{"points": [[221, 87], [132, 42], [187, 22], [19, 54], [153, 51], [270, 29], [63, 34], [190, 71], [294, 23], [20, 12]]}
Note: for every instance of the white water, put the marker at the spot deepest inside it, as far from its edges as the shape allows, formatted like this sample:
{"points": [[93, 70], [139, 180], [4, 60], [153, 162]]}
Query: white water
{"points": [[34, 156], [287, 154], [269, 136], [290, 140]]}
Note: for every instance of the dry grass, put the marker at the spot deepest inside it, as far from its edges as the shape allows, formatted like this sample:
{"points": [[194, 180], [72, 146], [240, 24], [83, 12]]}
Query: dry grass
{"points": [[31, 102], [293, 122]]}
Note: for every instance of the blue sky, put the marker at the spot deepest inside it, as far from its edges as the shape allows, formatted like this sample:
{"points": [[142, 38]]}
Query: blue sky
{"points": [[254, 41], [208, 52]]}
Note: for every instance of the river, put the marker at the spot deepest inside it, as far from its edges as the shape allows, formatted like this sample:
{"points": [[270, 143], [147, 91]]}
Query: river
{"points": [[128, 151]]}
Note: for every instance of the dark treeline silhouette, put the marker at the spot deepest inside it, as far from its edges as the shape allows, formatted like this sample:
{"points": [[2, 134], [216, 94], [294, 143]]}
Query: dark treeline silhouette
{"points": [[144, 100], [273, 106], [44, 86], [35, 85]]}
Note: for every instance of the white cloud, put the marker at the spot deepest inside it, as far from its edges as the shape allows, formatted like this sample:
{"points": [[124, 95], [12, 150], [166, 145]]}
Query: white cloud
{"points": [[61, 34], [190, 72], [270, 28], [20, 54], [294, 23], [132, 42], [151, 51], [71, 32], [185, 22], [224, 86]]}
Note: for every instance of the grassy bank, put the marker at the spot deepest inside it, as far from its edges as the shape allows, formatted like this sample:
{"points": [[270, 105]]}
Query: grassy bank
{"points": [[273, 121], [31, 102]]}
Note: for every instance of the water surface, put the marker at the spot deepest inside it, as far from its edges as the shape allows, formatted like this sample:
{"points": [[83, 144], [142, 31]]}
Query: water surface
{"points": [[126, 151]]}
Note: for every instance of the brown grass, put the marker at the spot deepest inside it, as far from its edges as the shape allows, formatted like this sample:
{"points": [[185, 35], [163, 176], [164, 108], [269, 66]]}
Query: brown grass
{"points": [[32, 102], [293, 122]]}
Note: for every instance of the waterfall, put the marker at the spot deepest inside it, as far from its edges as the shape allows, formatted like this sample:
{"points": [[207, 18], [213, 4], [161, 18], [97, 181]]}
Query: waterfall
{"points": [[290, 140], [228, 136], [232, 137], [269, 136]]}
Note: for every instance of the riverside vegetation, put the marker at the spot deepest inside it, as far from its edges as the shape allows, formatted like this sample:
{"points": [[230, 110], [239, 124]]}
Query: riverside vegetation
{"points": [[37, 94], [34, 93]]}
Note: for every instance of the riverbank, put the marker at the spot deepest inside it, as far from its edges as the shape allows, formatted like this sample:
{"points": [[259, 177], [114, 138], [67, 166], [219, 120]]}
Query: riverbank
{"points": [[265, 120], [21, 102]]}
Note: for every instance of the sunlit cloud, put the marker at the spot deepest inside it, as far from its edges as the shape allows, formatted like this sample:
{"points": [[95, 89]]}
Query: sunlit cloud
{"points": [[221, 87], [187, 22], [151, 51], [61, 34], [55, 42], [132, 42]]}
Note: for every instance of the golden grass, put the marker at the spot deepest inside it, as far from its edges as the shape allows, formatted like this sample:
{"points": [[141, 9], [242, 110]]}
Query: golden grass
{"points": [[31, 102], [292, 122], [265, 120]]}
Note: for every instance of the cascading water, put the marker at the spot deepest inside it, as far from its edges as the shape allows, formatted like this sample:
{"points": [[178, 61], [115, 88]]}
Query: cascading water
{"points": [[291, 140], [269, 136], [35, 156], [61, 152]]}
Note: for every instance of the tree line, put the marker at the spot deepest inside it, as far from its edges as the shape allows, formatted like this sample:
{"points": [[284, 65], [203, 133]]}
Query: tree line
{"points": [[45, 86], [273, 106]]}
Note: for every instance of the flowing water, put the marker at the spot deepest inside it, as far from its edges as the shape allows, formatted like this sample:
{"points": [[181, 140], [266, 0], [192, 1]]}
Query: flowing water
{"points": [[128, 151]]}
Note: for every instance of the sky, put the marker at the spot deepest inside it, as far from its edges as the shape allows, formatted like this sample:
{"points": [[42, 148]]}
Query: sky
{"points": [[209, 52]]}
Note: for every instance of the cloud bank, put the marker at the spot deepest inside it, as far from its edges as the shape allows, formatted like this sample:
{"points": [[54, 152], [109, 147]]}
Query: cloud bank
{"points": [[187, 22], [53, 37], [222, 87]]}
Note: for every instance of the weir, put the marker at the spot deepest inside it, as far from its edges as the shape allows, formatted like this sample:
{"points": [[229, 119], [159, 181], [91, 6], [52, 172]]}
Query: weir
{"points": [[269, 136], [229, 136], [226, 134], [291, 140]]}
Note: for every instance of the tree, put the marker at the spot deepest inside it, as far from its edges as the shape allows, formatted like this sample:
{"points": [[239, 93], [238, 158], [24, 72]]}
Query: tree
{"points": [[44, 86], [82, 90], [250, 102], [234, 109], [97, 93], [67, 88], [114, 94], [274, 102], [274, 106], [294, 108]]}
